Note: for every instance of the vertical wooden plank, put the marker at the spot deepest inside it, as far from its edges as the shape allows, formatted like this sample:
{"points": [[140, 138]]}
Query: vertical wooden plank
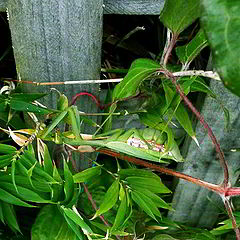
{"points": [[195, 205], [58, 40]]}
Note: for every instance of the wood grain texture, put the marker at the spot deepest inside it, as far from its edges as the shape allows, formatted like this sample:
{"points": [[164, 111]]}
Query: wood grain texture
{"points": [[194, 205], [3, 5], [58, 41], [131, 7]]}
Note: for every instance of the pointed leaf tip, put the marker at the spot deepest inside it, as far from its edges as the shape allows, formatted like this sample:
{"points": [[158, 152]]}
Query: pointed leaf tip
{"points": [[196, 141]]}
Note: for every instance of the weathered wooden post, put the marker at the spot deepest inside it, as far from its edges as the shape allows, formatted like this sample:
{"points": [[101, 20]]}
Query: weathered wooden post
{"points": [[58, 41]]}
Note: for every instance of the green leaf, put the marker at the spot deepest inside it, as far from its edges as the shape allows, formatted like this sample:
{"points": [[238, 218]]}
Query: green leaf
{"points": [[139, 71], [220, 20], [10, 216], [39, 184], [135, 172], [48, 165], [75, 121], [57, 189], [159, 202], [110, 199], [1, 213], [5, 160], [200, 86], [188, 52], [27, 97], [28, 107], [7, 149], [9, 198], [177, 15], [87, 174], [51, 225], [3, 106], [28, 161], [55, 122], [13, 170], [120, 217], [146, 204], [23, 193], [183, 118], [75, 228], [62, 103], [152, 184], [178, 108], [164, 237], [77, 219], [68, 185]]}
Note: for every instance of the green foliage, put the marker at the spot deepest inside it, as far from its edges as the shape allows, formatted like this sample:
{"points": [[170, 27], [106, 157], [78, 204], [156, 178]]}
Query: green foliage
{"points": [[179, 14], [220, 21], [126, 196], [190, 51]]}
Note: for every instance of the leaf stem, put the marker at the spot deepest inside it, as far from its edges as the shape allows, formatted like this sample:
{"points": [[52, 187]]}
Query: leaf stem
{"points": [[170, 46], [223, 163]]}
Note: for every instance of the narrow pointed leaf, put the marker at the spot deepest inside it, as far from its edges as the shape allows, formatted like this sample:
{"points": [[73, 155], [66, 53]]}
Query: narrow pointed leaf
{"points": [[87, 174], [13, 170], [5, 160], [23, 193], [23, 181], [183, 118], [9, 198], [120, 217], [75, 121], [27, 97], [135, 172], [74, 227], [159, 202], [152, 184], [7, 149], [110, 199], [68, 185], [10, 216], [77, 219], [220, 20], [48, 164], [145, 204], [28, 107], [55, 122]]}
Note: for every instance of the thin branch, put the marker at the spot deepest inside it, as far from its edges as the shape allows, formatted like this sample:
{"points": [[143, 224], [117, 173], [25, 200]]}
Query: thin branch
{"points": [[197, 181], [170, 47], [94, 204], [223, 163], [95, 207], [208, 74], [231, 216], [167, 44]]}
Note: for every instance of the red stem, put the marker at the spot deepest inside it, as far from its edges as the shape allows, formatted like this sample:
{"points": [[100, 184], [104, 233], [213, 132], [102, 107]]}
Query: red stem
{"points": [[205, 125], [170, 48], [197, 181]]}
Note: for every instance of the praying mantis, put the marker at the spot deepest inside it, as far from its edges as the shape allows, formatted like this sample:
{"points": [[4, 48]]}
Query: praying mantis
{"points": [[149, 144]]}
